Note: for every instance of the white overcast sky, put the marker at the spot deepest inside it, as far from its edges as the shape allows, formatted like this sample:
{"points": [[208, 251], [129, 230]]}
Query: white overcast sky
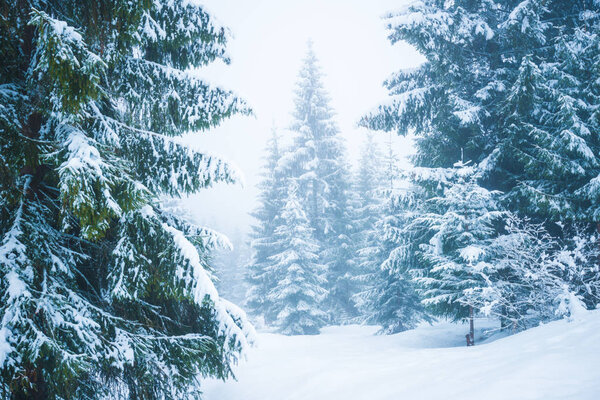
{"points": [[268, 44]]}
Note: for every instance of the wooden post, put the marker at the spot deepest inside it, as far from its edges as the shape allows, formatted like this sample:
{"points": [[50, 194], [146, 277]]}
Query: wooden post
{"points": [[471, 327], [471, 335]]}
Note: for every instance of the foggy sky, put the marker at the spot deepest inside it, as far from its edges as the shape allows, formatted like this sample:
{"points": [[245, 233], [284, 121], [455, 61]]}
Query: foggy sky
{"points": [[268, 44]]}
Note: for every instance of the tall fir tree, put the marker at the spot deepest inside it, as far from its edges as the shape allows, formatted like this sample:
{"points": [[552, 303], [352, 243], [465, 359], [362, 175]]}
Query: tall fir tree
{"points": [[368, 200], [298, 294], [387, 295], [509, 86], [105, 292], [317, 162], [260, 272]]}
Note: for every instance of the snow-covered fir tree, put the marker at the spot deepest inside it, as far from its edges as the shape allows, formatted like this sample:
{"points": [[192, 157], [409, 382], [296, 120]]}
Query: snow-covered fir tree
{"points": [[298, 294], [368, 185], [105, 292], [460, 224], [389, 298], [547, 153], [508, 85], [264, 243], [368, 198], [577, 263], [386, 295], [393, 174], [316, 160]]}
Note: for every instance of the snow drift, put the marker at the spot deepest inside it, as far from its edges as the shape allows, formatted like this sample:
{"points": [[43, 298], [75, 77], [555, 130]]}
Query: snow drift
{"points": [[559, 360]]}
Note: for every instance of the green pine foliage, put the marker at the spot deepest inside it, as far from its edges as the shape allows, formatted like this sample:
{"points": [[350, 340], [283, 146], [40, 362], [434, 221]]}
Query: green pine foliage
{"points": [[105, 292]]}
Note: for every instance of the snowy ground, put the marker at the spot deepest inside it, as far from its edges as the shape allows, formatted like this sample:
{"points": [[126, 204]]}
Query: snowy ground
{"points": [[560, 360]]}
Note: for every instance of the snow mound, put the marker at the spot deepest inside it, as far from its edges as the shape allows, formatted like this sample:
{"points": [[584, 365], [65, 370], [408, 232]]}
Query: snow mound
{"points": [[559, 360]]}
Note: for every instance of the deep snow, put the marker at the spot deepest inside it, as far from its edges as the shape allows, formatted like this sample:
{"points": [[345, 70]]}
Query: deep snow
{"points": [[560, 360]]}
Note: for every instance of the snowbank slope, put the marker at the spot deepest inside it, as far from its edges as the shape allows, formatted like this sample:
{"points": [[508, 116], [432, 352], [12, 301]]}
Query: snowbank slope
{"points": [[560, 360]]}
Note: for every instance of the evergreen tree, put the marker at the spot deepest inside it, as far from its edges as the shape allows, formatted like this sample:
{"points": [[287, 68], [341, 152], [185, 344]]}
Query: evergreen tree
{"points": [[509, 86], [547, 154], [316, 161], [264, 242], [461, 224], [368, 196], [368, 208], [298, 294], [105, 292], [387, 296], [390, 298], [577, 263]]}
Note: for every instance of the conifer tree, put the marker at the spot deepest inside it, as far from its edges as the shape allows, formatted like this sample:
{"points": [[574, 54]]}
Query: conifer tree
{"points": [[509, 86], [368, 190], [387, 297], [104, 291], [367, 207], [298, 293], [461, 224], [392, 173], [264, 242], [548, 149], [316, 160]]}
